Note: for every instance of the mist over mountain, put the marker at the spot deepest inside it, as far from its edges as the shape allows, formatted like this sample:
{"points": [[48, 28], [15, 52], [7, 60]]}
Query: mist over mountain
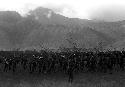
{"points": [[109, 13], [44, 27]]}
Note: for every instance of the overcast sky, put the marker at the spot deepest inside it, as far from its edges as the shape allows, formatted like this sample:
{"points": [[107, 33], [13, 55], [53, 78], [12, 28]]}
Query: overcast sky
{"points": [[109, 10]]}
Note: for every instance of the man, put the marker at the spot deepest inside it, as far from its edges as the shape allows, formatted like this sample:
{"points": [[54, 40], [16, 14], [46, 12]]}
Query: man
{"points": [[70, 70]]}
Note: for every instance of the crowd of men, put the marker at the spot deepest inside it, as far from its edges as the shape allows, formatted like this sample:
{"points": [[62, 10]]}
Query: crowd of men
{"points": [[69, 62]]}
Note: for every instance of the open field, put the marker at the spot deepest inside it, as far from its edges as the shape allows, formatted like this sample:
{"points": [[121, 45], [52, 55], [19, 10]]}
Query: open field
{"points": [[117, 79]]}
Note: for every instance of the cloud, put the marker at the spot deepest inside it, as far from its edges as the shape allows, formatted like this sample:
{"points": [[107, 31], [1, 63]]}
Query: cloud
{"points": [[109, 13], [71, 8], [63, 9]]}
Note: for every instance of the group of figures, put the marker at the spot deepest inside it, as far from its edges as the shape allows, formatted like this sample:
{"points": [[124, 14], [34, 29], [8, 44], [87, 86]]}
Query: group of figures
{"points": [[69, 63]]}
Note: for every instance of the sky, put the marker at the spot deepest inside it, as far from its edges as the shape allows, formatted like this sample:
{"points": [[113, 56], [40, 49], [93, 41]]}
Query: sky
{"points": [[107, 10]]}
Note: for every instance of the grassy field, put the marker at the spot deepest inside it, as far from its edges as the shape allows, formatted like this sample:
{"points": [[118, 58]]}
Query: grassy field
{"points": [[117, 79]]}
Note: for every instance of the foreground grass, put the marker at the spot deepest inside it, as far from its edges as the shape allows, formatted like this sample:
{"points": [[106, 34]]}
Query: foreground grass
{"points": [[117, 79]]}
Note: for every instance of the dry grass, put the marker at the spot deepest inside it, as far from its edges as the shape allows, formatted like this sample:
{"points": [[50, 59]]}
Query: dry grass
{"points": [[117, 79]]}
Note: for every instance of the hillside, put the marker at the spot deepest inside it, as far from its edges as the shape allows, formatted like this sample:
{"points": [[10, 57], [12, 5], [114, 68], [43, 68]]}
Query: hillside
{"points": [[45, 27]]}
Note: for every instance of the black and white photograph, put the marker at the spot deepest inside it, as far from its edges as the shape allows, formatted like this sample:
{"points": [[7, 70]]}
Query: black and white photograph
{"points": [[62, 43]]}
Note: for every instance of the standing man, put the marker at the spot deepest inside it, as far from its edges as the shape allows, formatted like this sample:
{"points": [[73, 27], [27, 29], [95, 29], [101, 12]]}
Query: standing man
{"points": [[70, 70]]}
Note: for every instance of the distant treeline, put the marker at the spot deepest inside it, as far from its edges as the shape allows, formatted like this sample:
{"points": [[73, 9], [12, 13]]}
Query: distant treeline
{"points": [[67, 62]]}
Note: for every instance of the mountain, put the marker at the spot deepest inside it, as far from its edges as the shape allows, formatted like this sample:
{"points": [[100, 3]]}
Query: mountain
{"points": [[111, 29], [53, 36], [56, 26], [44, 27], [10, 17]]}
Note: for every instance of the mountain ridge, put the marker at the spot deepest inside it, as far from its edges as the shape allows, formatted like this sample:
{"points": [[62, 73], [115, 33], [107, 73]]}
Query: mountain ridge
{"points": [[44, 26]]}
